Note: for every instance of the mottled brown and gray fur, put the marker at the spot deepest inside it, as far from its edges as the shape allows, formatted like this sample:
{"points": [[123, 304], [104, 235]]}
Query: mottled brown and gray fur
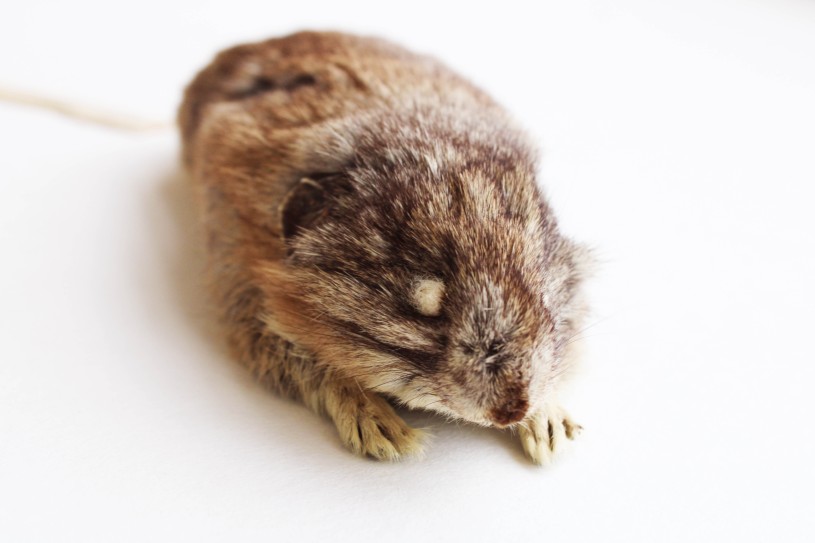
{"points": [[336, 173]]}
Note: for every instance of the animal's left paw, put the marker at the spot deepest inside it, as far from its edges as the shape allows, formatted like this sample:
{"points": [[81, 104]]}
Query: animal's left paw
{"points": [[544, 434]]}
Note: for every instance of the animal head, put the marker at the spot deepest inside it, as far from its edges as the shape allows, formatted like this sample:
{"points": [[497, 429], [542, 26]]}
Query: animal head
{"points": [[430, 268]]}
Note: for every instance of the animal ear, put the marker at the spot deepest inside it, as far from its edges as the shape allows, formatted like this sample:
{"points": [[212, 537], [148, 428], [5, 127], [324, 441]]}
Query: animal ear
{"points": [[309, 202], [302, 207]]}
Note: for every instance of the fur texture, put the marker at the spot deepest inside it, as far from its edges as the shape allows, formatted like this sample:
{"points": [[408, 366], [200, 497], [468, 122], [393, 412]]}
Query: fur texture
{"points": [[375, 230]]}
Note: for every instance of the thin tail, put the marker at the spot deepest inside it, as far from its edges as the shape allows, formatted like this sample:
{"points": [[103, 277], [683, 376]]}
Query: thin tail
{"points": [[82, 112]]}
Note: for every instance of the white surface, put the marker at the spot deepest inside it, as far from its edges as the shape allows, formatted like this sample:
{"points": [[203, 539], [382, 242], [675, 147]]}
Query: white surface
{"points": [[678, 138]]}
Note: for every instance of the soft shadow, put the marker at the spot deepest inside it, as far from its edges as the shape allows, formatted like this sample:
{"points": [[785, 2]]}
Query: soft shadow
{"points": [[464, 434], [186, 263]]}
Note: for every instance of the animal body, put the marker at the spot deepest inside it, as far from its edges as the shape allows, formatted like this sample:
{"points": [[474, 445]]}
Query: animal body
{"points": [[376, 234]]}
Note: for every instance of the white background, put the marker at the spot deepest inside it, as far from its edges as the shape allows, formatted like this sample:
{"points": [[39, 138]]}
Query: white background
{"points": [[678, 139]]}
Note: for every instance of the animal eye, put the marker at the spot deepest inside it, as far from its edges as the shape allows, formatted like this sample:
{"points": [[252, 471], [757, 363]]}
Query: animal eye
{"points": [[427, 296]]}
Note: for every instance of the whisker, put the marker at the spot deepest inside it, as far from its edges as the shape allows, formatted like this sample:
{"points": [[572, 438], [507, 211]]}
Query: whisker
{"points": [[431, 403], [400, 378]]}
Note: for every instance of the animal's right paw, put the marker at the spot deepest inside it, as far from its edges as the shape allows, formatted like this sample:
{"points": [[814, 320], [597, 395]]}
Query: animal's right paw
{"points": [[369, 426]]}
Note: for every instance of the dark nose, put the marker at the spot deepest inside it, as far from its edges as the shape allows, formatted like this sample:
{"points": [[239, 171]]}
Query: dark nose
{"points": [[510, 412]]}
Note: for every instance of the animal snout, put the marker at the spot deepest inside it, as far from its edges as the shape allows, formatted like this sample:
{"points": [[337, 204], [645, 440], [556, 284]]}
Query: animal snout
{"points": [[512, 411]]}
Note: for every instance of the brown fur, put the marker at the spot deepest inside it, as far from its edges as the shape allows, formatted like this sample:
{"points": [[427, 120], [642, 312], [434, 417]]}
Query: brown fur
{"points": [[335, 174]]}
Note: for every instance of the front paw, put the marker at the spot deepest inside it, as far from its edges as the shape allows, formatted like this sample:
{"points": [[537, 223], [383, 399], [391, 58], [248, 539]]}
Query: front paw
{"points": [[369, 426], [545, 433]]}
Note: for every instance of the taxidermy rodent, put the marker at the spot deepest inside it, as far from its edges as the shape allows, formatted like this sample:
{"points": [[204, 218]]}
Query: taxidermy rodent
{"points": [[375, 232]]}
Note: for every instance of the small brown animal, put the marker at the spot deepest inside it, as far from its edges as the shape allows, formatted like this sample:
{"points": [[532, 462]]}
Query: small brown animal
{"points": [[375, 230]]}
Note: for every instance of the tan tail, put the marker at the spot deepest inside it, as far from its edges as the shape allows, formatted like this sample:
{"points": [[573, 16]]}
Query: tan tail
{"points": [[81, 112]]}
